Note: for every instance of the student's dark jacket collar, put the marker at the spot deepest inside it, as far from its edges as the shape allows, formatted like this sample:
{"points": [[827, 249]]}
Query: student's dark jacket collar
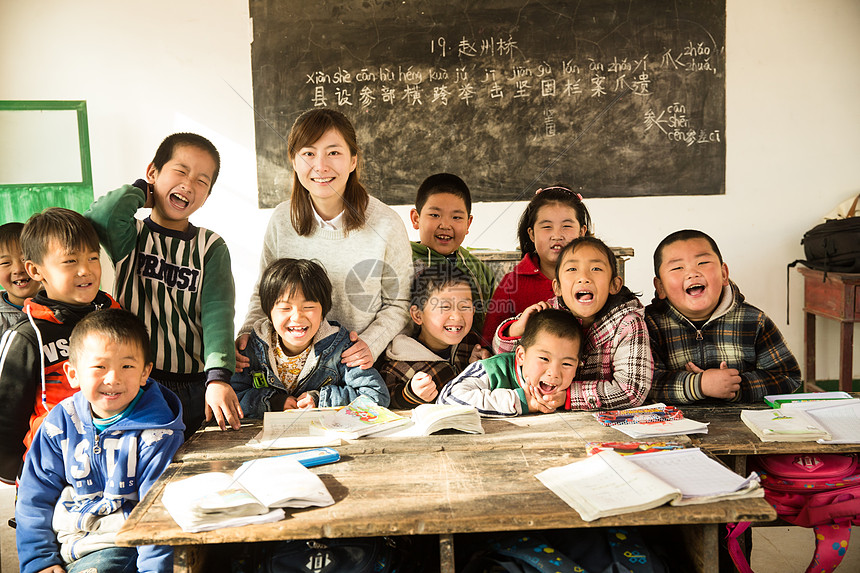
{"points": [[43, 308]]}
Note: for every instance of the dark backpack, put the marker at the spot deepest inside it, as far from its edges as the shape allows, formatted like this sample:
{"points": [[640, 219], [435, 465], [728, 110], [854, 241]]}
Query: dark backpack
{"points": [[598, 550], [834, 246], [339, 555]]}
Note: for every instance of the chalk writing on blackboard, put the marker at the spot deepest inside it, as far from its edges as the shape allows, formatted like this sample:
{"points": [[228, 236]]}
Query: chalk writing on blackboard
{"points": [[497, 91]]}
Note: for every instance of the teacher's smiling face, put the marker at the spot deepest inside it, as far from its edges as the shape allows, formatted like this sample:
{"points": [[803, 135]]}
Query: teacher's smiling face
{"points": [[323, 168]]}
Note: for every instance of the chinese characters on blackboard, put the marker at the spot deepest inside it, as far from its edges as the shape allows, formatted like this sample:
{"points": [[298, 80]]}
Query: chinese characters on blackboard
{"points": [[469, 81]]}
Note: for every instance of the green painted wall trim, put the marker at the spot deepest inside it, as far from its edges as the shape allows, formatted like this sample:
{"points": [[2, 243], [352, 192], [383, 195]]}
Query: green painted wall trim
{"points": [[19, 201]]}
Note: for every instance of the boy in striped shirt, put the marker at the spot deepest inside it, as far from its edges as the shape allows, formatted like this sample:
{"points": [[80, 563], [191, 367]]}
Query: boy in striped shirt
{"points": [[176, 277]]}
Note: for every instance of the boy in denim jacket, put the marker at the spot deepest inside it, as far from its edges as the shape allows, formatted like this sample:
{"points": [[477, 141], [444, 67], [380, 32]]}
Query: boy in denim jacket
{"points": [[295, 353]]}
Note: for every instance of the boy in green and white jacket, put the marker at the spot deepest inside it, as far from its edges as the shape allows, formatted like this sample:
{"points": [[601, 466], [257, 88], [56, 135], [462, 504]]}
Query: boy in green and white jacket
{"points": [[176, 277]]}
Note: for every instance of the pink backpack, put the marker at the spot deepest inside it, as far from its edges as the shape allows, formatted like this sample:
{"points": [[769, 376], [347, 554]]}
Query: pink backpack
{"points": [[821, 491]]}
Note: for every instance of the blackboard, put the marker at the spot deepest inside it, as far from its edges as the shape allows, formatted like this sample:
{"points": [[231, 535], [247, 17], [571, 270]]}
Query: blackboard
{"points": [[617, 98]]}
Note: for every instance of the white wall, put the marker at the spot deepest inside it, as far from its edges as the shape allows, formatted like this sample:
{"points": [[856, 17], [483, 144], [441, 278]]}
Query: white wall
{"points": [[793, 129]]}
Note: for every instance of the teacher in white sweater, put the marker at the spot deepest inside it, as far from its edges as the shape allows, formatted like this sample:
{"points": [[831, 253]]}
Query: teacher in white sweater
{"points": [[360, 241]]}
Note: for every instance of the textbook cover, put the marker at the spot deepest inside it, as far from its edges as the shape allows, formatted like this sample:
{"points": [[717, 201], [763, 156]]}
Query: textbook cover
{"points": [[359, 418]]}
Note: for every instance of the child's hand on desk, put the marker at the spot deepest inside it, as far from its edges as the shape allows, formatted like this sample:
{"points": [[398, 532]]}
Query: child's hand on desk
{"points": [[478, 353], [722, 382], [424, 387], [222, 402], [306, 400], [290, 403], [516, 329], [53, 569]]}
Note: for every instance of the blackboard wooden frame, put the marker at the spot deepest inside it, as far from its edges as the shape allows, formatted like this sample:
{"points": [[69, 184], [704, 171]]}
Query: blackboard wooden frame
{"points": [[20, 200], [626, 141]]}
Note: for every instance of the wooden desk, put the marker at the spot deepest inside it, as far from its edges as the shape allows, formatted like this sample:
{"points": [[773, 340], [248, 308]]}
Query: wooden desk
{"points": [[729, 437], [569, 429], [835, 296], [428, 492]]}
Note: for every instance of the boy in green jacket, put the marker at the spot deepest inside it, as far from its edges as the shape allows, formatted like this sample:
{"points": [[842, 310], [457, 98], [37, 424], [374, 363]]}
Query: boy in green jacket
{"points": [[442, 216], [176, 277]]}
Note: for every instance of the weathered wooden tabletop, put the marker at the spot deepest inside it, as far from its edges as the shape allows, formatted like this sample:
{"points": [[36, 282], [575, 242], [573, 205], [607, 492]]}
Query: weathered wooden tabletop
{"points": [[430, 492]]}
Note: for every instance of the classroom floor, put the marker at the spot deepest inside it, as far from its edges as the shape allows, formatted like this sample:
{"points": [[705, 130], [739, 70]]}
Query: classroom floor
{"points": [[775, 549]]}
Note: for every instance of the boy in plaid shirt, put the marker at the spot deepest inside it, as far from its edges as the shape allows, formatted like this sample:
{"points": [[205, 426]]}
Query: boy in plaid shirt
{"points": [[438, 345], [707, 342]]}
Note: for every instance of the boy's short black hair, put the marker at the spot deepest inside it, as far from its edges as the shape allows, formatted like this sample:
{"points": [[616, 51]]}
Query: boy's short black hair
{"points": [[115, 324], [433, 279], [683, 235], [10, 234], [165, 151], [553, 321], [443, 183], [286, 276], [68, 228]]}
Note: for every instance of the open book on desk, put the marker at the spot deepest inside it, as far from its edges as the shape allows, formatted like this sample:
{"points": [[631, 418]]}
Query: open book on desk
{"points": [[361, 417], [292, 429], [428, 419], [840, 418], [784, 425], [608, 484], [213, 500]]}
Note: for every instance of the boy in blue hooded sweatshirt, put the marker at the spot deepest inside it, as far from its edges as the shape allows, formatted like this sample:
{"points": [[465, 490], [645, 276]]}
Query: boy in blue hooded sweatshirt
{"points": [[97, 454]]}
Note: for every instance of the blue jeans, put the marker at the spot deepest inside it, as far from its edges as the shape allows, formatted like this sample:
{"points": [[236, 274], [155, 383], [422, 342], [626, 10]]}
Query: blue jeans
{"points": [[110, 560]]}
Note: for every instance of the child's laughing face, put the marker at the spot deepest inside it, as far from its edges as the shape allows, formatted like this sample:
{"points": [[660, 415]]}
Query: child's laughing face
{"points": [[446, 318], [13, 275], [443, 222], [181, 186], [549, 364], [692, 277], [296, 320], [585, 282]]}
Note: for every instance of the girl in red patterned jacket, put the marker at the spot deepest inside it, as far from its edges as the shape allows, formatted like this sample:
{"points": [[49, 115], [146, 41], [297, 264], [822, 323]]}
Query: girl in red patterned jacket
{"points": [[554, 217], [616, 367]]}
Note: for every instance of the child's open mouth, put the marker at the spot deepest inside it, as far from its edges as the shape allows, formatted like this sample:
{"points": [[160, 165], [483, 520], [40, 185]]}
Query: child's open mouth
{"points": [[454, 329], [584, 296], [444, 238], [546, 388], [21, 283], [297, 330], [177, 201], [695, 290]]}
